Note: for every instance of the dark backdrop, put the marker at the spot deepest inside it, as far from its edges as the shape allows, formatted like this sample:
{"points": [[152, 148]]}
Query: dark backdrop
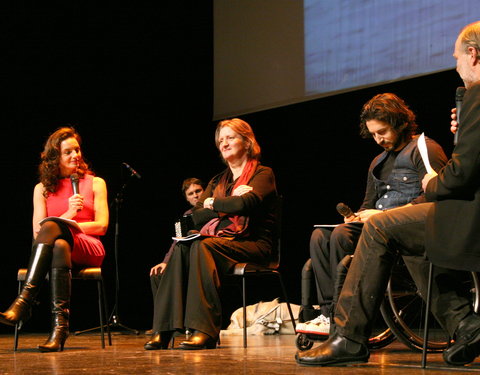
{"points": [[136, 82]]}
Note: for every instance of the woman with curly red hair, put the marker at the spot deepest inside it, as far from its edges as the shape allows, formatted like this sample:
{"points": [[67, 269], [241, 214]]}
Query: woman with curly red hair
{"points": [[61, 244]]}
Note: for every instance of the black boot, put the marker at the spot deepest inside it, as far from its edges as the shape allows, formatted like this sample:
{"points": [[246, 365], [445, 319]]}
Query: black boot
{"points": [[159, 340], [39, 265], [199, 340], [60, 280]]}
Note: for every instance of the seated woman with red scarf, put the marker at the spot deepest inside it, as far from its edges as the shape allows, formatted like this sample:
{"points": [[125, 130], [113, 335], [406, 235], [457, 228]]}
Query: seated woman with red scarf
{"points": [[236, 217]]}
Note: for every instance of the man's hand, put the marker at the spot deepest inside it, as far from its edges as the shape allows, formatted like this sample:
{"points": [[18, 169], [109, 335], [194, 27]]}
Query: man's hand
{"points": [[427, 178], [454, 123], [367, 214], [158, 269]]}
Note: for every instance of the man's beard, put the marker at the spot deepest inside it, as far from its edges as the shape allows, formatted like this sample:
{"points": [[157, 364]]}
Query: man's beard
{"points": [[395, 145]]}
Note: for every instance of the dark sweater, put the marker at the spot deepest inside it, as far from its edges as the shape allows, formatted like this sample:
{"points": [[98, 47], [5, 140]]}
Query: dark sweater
{"points": [[257, 204]]}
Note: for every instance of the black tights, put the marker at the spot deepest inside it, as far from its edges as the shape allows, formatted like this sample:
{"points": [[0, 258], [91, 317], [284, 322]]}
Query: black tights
{"points": [[57, 235]]}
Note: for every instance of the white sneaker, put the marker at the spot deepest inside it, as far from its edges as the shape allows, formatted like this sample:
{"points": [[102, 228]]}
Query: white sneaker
{"points": [[318, 326]]}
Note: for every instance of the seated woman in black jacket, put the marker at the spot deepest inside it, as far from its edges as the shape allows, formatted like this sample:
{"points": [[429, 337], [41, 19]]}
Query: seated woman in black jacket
{"points": [[236, 216]]}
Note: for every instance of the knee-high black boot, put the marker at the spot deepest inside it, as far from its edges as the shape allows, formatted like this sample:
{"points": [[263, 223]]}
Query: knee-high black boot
{"points": [[39, 265], [60, 279]]}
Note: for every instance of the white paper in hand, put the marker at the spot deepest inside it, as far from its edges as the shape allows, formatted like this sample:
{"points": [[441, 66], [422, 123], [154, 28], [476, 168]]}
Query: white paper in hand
{"points": [[422, 147]]}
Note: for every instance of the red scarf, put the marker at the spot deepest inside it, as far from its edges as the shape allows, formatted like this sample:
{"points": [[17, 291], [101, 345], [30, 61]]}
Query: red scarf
{"points": [[238, 224]]}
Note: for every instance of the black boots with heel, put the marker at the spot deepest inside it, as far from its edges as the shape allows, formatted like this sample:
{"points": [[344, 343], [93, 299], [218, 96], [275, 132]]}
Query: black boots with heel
{"points": [[39, 265], [60, 280]]}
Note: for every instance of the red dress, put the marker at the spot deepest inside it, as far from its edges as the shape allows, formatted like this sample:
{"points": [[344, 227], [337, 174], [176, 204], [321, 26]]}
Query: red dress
{"points": [[87, 250]]}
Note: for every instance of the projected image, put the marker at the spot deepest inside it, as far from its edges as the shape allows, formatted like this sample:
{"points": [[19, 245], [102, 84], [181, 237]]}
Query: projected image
{"points": [[354, 43]]}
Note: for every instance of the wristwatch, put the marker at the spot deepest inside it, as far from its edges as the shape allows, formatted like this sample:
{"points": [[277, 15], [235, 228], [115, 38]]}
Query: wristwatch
{"points": [[209, 202]]}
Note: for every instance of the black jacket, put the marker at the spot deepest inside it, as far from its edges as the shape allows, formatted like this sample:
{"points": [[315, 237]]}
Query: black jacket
{"points": [[453, 223]]}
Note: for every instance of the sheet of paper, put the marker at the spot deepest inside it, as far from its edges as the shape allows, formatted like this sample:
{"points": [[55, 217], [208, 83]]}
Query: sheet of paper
{"points": [[422, 147], [335, 225]]}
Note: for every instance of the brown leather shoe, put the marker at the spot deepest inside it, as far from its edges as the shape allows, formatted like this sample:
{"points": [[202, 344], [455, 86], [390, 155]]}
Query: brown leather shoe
{"points": [[199, 340]]}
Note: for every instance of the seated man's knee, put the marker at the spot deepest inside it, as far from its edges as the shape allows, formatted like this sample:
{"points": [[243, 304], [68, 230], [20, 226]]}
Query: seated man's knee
{"points": [[343, 241], [317, 234], [375, 222], [319, 240]]}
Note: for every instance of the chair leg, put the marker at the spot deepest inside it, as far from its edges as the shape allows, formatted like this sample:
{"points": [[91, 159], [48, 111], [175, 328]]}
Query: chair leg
{"points": [[100, 313], [427, 313], [105, 312], [15, 339], [244, 313], [284, 291], [102, 307]]}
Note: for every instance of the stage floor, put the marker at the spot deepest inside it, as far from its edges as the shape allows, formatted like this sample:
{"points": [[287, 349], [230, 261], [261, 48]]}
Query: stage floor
{"points": [[264, 355]]}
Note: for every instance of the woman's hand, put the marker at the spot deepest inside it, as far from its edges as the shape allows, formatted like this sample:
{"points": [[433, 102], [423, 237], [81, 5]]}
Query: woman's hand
{"points": [[454, 123], [75, 204], [158, 269], [208, 203], [242, 189]]}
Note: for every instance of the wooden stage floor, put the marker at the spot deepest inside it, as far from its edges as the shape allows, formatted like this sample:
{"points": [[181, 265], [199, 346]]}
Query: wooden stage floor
{"points": [[264, 355]]}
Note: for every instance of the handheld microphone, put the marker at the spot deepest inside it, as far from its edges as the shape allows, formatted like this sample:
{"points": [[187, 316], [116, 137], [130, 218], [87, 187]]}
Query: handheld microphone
{"points": [[132, 171], [458, 104], [74, 180], [344, 210], [75, 187]]}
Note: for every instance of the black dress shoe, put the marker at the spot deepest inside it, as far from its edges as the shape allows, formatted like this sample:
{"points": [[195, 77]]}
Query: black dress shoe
{"points": [[467, 342], [337, 350], [199, 340], [159, 340]]}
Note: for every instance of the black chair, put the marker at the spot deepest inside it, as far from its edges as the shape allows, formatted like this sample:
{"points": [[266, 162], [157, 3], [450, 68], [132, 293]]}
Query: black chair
{"points": [[90, 273], [245, 270], [476, 287]]}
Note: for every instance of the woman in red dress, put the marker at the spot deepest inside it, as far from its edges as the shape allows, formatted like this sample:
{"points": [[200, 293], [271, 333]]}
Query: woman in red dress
{"points": [[61, 244]]}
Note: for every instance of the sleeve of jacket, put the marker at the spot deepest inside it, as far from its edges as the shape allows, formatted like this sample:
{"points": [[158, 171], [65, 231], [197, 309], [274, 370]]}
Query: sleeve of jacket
{"points": [[437, 159], [263, 184], [371, 195], [459, 179]]}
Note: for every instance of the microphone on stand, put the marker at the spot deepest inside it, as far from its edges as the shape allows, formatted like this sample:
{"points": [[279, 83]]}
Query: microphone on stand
{"points": [[132, 171], [74, 179], [344, 210], [458, 104]]}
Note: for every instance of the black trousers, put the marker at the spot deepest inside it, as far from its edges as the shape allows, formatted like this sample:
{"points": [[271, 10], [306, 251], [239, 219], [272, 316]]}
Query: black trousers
{"points": [[188, 292], [327, 248], [383, 237]]}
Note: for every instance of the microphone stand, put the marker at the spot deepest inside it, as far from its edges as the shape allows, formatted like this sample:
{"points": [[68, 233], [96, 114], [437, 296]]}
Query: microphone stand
{"points": [[114, 321]]}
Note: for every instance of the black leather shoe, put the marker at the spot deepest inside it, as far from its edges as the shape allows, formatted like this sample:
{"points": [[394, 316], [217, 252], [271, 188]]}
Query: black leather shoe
{"points": [[159, 340], [467, 342], [337, 350], [199, 340]]}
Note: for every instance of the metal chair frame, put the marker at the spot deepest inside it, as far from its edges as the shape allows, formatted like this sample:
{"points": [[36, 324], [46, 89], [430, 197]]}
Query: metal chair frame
{"points": [[89, 273], [244, 270]]}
